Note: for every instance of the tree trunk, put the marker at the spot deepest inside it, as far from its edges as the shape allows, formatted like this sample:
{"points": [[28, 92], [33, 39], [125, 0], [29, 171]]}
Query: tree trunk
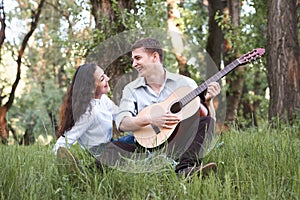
{"points": [[106, 17], [28, 137], [283, 59], [3, 25], [215, 49], [3, 110], [3, 125], [248, 108], [215, 38], [176, 37], [235, 80], [108, 21]]}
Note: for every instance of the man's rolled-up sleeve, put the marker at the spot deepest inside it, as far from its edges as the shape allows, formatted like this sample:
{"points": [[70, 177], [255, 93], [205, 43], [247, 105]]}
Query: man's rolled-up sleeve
{"points": [[127, 106]]}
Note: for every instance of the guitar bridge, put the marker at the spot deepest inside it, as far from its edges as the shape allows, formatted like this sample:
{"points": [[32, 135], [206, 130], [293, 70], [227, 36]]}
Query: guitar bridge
{"points": [[156, 129]]}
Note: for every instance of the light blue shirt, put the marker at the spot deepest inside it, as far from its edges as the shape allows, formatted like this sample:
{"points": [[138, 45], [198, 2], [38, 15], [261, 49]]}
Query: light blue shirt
{"points": [[94, 127], [138, 95]]}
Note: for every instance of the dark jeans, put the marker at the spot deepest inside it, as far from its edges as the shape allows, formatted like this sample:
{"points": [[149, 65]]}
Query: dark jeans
{"points": [[186, 144], [192, 135], [129, 139]]}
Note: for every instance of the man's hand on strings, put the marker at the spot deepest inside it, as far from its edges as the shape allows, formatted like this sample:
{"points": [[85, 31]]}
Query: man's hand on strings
{"points": [[166, 120], [213, 90]]}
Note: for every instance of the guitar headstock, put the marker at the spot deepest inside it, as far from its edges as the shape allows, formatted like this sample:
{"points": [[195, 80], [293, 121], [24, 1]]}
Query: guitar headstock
{"points": [[252, 55]]}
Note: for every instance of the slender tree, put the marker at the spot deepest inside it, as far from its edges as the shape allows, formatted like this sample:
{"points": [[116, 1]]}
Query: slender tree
{"points": [[215, 44], [235, 80], [4, 109], [2, 23]]}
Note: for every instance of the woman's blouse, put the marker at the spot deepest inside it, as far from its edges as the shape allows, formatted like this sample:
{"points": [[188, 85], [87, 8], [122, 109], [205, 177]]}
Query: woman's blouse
{"points": [[94, 127]]}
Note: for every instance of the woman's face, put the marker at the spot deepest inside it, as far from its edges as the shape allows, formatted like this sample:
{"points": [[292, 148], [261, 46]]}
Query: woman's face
{"points": [[101, 82]]}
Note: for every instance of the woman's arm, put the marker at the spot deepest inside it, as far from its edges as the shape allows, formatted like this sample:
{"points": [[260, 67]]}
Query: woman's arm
{"points": [[71, 136]]}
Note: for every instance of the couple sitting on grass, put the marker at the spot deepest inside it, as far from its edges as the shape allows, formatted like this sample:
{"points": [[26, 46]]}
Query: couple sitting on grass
{"points": [[87, 114]]}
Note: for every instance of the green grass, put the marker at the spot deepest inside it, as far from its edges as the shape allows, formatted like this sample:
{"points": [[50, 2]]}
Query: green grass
{"points": [[252, 164]]}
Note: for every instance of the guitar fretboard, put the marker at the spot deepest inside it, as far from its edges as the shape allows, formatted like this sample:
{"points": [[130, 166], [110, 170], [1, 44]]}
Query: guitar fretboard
{"points": [[193, 94]]}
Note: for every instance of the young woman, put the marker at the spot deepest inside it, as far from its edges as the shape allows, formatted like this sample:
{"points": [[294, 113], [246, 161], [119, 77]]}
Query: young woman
{"points": [[86, 115]]}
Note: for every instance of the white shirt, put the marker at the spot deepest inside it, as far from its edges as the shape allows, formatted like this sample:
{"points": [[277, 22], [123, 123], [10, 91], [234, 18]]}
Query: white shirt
{"points": [[94, 127]]}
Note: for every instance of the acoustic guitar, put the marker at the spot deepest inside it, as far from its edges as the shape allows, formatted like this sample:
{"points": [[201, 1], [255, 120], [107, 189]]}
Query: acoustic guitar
{"points": [[184, 102]]}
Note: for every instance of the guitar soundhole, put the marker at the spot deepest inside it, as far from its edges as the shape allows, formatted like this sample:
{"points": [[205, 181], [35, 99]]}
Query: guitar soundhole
{"points": [[176, 107]]}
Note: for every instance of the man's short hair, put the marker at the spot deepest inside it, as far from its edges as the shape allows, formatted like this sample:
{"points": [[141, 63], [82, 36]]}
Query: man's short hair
{"points": [[151, 45]]}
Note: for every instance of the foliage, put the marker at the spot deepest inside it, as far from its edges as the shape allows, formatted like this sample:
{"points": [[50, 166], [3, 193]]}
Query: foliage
{"points": [[250, 34], [48, 64], [151, 14], [143, 16], [31, 111], [194, 21], [252, 164]]}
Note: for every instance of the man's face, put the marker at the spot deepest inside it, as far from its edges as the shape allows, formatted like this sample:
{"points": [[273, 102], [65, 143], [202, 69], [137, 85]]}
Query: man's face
{"points": [[142, 61]]}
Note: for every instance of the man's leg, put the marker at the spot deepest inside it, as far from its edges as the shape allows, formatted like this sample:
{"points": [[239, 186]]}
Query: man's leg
{"points": [[129, 139], [112, 153], [187, 144], [192, 156]]}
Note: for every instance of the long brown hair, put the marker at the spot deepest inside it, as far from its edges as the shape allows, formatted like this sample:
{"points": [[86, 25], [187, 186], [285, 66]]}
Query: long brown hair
{"points": [[77, 98]]}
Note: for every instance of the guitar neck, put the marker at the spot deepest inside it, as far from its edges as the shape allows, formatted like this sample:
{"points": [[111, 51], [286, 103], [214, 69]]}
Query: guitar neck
{"points": [[193, 94]]}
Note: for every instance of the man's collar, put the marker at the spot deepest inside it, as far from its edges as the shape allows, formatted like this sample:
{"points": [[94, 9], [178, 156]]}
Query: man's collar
{"points": [[140, 82], [171, 76]]}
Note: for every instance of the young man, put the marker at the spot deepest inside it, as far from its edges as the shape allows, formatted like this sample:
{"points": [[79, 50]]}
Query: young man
{"points": [[155, 84]]}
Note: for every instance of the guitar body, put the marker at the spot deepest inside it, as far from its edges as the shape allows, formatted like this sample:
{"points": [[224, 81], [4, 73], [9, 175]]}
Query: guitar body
{"points": [[150, 136]]}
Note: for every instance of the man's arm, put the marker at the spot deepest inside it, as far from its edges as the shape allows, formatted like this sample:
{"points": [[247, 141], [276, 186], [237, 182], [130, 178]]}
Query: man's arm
{"points": [[134, 123], [165, 120], [126, 118], [211, 109]]}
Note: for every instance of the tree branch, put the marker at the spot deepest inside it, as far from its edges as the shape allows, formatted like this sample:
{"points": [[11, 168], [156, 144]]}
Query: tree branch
{"points": [[3, 26], [34, 23]]}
